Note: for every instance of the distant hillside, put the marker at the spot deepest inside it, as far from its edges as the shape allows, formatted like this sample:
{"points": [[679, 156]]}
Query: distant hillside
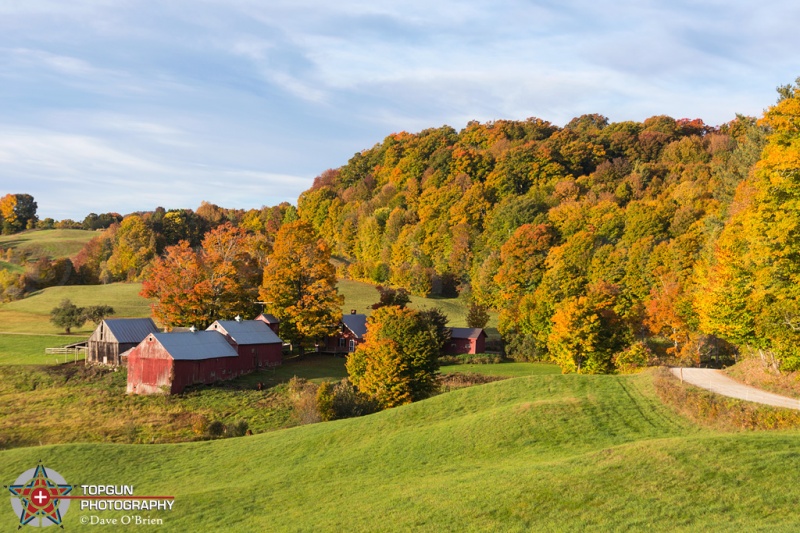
{"points": [[545, 223], [52, 243], [545, 453]]}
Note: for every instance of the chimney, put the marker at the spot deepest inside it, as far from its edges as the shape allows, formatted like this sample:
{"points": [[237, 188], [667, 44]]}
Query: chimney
{"points": [[352, 311]]}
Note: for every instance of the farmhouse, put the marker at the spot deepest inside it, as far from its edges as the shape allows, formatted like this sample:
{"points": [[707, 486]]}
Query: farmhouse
{"points": [[351, 333], [169, 362], [466, 340], [253, 339], [113, 336]]}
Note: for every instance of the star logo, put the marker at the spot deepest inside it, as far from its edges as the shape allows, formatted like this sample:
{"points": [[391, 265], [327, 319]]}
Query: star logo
{"points": [[37, 497]]}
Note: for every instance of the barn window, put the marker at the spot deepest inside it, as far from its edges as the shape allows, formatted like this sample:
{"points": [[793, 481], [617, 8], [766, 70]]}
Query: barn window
{"points": [[342, 342], [352, 345]]}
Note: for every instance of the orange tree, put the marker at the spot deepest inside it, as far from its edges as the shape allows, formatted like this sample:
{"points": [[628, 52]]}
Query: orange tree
{"points": [[299, 285]]}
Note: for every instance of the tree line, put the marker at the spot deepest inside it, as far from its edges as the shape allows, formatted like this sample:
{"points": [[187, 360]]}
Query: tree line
{"points": [[604, 246]]}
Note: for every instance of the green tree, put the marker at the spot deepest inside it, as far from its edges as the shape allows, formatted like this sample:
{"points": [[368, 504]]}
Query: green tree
{"points": [[299, 285], [97, 313], [67, 315], [477, 315]]}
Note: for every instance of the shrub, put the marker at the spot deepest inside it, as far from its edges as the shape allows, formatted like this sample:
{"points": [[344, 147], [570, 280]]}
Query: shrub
{"points": [[303, 395], [349, 402], [215, 429], [325, 401], [200, 424], [460, 380], [237, 429], [633, 359]]}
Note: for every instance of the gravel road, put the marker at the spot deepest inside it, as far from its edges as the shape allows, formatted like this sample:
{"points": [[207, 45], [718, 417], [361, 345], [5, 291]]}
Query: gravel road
{"points": [[716, 381]]}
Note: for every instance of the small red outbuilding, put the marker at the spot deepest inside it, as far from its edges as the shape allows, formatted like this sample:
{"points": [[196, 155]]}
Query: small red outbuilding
{"points": [[169, 362], [466, 340]]}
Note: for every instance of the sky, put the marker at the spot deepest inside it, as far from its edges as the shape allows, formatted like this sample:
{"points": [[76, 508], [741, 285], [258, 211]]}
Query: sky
{"points": [[125, 105]]}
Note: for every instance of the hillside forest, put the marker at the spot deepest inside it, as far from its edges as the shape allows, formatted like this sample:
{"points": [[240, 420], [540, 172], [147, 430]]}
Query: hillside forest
{"points": [[604, 246]]}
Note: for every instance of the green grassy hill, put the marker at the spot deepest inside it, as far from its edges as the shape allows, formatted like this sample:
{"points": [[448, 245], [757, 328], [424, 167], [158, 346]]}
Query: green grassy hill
{"points": [[32, 314], [540, 453], [360, 296], [51, 242]]}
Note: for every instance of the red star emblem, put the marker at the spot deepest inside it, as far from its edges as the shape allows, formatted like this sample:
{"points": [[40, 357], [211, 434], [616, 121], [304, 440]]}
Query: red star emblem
{"points": [[40, 498]]}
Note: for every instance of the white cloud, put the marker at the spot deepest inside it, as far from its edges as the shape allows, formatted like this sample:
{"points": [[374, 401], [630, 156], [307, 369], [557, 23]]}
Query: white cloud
{"points": [[115, 103]]}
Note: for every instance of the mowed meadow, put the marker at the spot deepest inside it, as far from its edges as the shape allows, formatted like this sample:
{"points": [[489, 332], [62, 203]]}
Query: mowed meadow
{"points": [[537, 453]]}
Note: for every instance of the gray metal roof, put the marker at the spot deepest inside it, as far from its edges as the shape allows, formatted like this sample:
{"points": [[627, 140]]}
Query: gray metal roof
{"points": [[270, 319], [465, 333], [357, 324], [196, 346], [128, 330], [246, 332]]}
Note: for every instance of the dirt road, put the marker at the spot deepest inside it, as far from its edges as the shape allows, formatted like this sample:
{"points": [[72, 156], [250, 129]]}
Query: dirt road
{"points": [[716, 381]]}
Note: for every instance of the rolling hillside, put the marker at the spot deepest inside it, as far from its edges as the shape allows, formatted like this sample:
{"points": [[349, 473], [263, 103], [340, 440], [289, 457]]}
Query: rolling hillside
{"points": [[541, 453], [54, 243]]}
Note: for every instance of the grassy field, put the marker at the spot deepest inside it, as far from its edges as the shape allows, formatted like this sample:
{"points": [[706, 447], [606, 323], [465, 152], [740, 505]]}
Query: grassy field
{"points": [[18, 349], [32, 314], [52, 242], [29, 395], [511, 370], [538, 453], [360, 296]]}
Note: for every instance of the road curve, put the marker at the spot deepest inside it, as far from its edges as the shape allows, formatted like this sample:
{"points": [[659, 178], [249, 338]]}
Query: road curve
{"points": [[717, 382]]}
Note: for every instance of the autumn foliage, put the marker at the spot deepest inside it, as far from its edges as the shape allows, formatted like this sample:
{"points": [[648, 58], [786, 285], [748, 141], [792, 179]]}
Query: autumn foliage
{"points": [[195, 287], [299, 285]]}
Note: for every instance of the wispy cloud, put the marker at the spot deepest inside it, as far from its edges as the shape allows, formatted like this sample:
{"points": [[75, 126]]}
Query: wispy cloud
{"points": [[128, 105]]}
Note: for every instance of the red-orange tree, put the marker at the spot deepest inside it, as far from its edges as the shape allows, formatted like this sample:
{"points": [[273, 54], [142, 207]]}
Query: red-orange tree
{"points": [[299, 285], [196, 287]]}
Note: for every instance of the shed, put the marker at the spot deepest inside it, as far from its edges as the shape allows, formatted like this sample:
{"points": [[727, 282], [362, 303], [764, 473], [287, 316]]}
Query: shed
{"points": [[170, 362], [351, 333], [113, 336], [466, 340], [253, 339], [271, 320]]}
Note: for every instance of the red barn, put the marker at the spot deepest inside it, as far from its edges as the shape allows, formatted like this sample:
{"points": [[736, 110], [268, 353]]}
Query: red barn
{"points": [[253, 339], [466, 340], [169, 362], [351, 334]]}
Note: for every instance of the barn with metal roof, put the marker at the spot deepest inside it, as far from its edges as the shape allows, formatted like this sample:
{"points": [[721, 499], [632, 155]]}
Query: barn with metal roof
{"points": [[466, 341], [113, 336], [253, 339], [170, 362]]}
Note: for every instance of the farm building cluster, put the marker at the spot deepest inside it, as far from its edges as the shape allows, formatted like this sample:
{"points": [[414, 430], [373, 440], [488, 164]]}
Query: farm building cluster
{"points": [[160, 362]]}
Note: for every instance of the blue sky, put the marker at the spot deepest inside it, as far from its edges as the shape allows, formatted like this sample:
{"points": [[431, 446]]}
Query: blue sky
{"points": [[124, 105]]}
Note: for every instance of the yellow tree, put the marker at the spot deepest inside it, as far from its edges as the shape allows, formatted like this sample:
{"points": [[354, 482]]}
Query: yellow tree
{"points": [[134, 247], [299, 285]]}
